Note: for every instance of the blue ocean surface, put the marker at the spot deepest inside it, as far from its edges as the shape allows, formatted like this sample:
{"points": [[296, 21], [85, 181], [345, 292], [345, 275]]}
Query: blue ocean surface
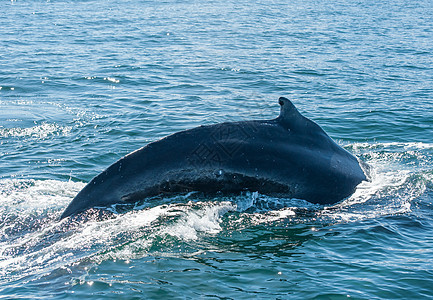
{"points": [[84, 82]]}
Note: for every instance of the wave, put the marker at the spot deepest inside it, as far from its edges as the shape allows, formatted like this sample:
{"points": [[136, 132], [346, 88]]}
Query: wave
{"points": [[34, 241]]}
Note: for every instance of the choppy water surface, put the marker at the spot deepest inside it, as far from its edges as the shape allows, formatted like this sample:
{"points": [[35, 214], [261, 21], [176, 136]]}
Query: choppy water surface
{"points": [[83, 83]]}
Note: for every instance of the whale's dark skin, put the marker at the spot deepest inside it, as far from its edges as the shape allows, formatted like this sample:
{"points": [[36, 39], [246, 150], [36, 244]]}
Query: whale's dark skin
{"points": [[290, 156]]}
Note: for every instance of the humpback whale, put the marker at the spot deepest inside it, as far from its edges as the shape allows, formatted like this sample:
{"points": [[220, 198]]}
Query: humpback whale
{"points": [[289, 156]]}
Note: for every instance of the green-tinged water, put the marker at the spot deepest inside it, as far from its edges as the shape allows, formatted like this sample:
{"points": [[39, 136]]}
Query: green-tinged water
{"points": [[83, 83]]}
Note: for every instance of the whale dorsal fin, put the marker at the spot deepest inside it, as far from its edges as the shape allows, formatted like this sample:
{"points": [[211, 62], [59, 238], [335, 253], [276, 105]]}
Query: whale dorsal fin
{"points": [[288, 111], [291, 118]]}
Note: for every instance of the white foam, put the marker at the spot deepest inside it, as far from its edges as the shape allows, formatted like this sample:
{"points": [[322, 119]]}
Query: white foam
{"points": [[206, 219], [40, 131], [394, 183], [389, 145], [271, 216], [24, 206], [25, 248], [35, 196]]}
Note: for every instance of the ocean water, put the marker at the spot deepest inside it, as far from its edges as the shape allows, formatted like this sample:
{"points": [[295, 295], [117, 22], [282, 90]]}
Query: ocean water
{"points": [[83, 83]]}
